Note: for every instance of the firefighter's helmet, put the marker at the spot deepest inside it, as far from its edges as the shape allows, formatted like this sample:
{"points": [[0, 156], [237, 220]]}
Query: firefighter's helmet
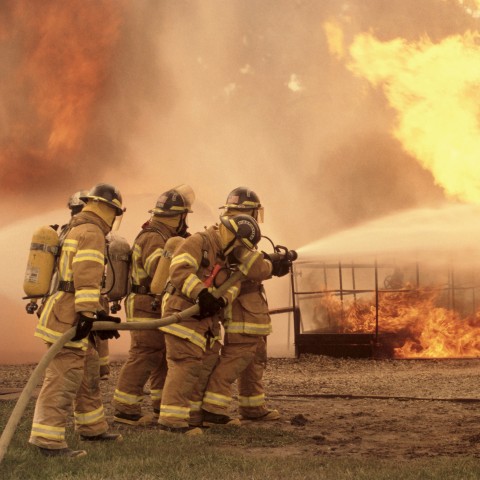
{"points": [[75, 203], [244, 227], [171, 203], [243, 199], [105, 193]]}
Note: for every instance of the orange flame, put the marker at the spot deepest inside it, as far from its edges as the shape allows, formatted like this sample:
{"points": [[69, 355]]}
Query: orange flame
{"points": [[63, 55], [415, 325], [432, 88]]}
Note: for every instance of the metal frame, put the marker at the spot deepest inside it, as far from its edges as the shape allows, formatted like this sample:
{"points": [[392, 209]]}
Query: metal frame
{"points": [[364, 343]]}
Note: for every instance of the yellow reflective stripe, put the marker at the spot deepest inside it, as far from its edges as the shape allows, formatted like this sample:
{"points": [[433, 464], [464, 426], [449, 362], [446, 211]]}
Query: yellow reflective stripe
{"points": [[232, 294], [47, 431], [195, 406], [254, 401], [68, 249], [129, 306], [249, 328], [103, 361], [91, 417], [189, 284], [216, 399], [89, 255], [184, 257], [186, 333], [51, 336], [47, 309], [87, 295], [173, 411], [246, 266], [127, 398], [156, 394], [152, 257]]}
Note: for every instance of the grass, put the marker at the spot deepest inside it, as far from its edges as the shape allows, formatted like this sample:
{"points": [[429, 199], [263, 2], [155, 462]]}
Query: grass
{"points": [[227, 453]]}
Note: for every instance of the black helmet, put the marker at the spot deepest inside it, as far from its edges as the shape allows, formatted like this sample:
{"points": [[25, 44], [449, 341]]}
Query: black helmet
{"points": [[244, 227], [171, 203], [106, 193], [75, 202], [242, 198]]}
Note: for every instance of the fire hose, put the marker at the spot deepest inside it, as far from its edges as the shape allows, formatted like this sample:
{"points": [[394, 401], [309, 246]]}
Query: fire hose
{"points": [[36, 375]]}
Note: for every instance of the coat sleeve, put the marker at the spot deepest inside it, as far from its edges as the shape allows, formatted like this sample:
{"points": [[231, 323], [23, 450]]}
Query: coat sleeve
{"points": [[253, 264]]}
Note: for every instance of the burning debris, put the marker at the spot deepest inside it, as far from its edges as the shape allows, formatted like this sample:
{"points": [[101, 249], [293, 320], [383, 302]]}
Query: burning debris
{"points": [[416, 327]]}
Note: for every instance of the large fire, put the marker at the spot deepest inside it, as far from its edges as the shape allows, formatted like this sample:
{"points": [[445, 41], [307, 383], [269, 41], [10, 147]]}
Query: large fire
{"points": [[62, 55], [417, 326], [433, 89]]}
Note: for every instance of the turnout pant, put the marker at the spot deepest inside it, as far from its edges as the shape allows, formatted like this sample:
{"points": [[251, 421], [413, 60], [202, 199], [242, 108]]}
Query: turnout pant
{"points": [[251, 394], [72, 378], [237, 354], [146, 359]]}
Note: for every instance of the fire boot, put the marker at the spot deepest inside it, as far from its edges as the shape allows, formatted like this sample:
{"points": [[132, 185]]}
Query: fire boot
{"points": [[62, 452], [189, 431], [103, 437], [134, 420], [218, 419], [267, 416]]}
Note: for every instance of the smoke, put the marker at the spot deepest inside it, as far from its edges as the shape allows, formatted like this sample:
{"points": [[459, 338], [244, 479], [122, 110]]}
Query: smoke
{"points": [[147, 94], [215, 94]]}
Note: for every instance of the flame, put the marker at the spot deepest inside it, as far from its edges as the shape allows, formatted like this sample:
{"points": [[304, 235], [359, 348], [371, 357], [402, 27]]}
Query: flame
{"points": [[64, 52], [433, 88], [415, 324]]}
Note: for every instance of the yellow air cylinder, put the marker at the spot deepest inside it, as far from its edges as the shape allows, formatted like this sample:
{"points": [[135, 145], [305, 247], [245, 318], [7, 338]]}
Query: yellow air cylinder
{"points": [[41, 262], [117, 272], [162, 272]]}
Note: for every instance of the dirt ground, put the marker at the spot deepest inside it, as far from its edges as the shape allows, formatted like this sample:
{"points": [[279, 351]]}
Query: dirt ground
{"points": [[364, 408]]}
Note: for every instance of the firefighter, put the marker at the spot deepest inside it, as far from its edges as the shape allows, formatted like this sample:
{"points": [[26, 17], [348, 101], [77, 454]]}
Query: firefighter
{"points": [[75, 205], [200, 261], [72, 376], [147, 349], [244, 353]]}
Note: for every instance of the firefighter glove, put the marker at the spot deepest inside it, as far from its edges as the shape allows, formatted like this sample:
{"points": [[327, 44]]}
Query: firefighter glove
{"points": [[209, 305], [280, 267], [84, 325], [107, 334]]}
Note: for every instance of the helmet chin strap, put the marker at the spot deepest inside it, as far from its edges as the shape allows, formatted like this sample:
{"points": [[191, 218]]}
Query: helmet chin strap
{"points": [[182, 226], [229, 247]]}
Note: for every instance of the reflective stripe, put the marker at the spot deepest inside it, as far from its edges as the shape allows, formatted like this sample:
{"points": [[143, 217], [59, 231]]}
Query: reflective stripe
{"points": [[189, 284], [148, 262], [91, 417], [68, 249], [51, 336], [87, 295], [127, 398], [217, 399], [156, 394], [89, 255], [255, 401], [248, 328], [129, 306], [173, 411], [103, 361], [186, 333], [138, 273], [246, 266], [47, 431], [184, 257], [195, 406], [47, 309]]}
